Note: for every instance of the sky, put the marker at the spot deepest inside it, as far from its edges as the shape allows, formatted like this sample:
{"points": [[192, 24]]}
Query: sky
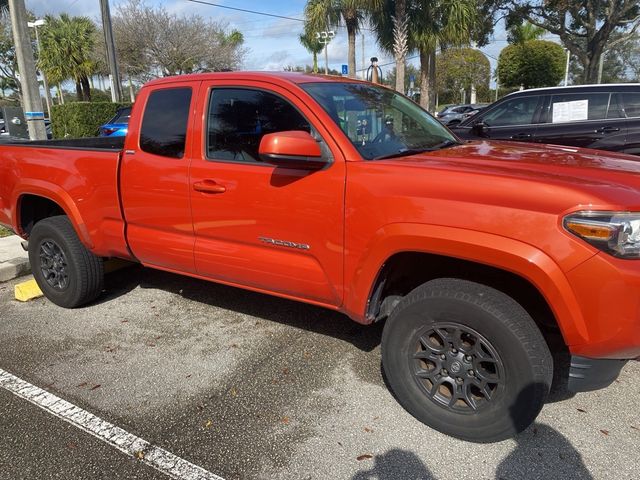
{"points": [[272, 43]]}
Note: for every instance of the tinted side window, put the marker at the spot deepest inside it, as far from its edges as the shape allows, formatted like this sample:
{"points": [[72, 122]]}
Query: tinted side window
{"points": [[631, 103], [238, 118], [517, 111], [164, 125], [615, 109], [575, 107]]}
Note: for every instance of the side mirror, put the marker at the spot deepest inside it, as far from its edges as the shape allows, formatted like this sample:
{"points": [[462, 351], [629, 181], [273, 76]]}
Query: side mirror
{"points": [[480, 128], [291, 149]]}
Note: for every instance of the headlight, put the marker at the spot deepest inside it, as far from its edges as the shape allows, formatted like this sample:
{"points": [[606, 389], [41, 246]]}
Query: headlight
{"points": [[617, 233]]}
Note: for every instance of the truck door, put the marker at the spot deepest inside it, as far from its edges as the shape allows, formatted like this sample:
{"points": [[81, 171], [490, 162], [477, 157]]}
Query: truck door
{"points": [[269, 228], [155, 178]]}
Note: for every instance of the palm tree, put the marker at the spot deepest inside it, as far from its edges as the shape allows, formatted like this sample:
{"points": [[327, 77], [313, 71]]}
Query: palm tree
{"points": [[313, 46], [441, 22], [524, 32], [324, 14], [392, 32], [67, 51]]}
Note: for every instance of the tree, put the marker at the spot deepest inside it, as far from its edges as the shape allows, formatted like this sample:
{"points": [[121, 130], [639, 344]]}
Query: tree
{"points": [[584, 26], [8, 62], [410, 71], [392, 32], [460, 69], [536, 63], [524, 32], [629, 55], [620, 61], [324, 14], [312, 45], [67, 45], [152, 42], [441, 22]]}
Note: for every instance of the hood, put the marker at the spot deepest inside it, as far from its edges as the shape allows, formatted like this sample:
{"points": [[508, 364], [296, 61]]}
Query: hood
{"points": [[560, 160], [584, 176]]}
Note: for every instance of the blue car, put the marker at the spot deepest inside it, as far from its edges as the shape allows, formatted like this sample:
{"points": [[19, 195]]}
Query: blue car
{"points": [[118, 125]]}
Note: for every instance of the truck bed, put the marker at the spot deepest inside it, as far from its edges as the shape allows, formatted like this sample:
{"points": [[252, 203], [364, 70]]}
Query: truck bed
{"points": [[79, 175]]}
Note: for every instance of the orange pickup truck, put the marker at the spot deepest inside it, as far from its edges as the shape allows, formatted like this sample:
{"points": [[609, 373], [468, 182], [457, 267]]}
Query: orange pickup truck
{"points": [[349, 196]]}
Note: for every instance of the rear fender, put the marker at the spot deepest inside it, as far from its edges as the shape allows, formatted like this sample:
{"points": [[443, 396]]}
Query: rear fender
{"points": [[57, 195]]}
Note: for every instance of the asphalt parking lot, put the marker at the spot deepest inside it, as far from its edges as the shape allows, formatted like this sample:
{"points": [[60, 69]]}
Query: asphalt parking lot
{"points": [[248, 386]]}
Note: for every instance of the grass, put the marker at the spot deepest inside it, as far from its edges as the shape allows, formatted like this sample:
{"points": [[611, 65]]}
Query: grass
{"points": [[5, 232]]}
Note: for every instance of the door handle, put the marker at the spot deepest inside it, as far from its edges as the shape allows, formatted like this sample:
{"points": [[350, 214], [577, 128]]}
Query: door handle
{"points": [[521, 136], [209, 186], [608, 130]]}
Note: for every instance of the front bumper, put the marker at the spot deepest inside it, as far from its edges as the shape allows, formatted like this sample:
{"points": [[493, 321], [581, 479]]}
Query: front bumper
{"points": [[608, 292]]}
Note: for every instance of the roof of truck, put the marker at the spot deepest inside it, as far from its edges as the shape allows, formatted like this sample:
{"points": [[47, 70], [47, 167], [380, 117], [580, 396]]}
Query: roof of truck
{"points": [[292, 77]]}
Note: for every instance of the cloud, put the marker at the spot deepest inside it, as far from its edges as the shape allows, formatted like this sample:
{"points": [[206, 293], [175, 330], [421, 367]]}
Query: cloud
{"points": [[73, 7]]}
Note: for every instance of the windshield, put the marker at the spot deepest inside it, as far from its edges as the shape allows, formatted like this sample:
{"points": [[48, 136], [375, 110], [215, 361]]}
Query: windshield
{"points": [[378, 121]]}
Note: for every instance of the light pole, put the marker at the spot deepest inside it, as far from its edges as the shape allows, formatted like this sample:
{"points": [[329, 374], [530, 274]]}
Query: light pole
{"points": [[31, 101], [114, 75], [566, 68], [324, 38], [47, 94]]}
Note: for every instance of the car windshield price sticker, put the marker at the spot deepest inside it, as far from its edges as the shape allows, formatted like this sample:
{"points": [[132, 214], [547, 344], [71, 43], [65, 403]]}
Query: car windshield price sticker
{"points": [[570, 111]]}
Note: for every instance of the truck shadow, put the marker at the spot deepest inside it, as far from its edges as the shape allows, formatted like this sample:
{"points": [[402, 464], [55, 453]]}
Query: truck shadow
{"points": [[288, 312], [295, 314]]}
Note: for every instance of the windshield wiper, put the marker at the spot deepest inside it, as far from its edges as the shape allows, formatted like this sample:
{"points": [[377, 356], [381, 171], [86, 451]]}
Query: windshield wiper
{"points": [[403, 152], [412, 151], [445, 144]]}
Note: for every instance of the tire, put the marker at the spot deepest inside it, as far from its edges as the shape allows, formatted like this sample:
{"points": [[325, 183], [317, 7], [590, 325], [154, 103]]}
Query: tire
{"points": [[467, 360], [67, 273]]}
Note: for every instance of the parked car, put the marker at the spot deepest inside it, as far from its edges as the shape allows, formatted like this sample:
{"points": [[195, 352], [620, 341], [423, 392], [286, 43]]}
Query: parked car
{"points": [[606, 117], [118, 125], [481, 257], [456, 114]]}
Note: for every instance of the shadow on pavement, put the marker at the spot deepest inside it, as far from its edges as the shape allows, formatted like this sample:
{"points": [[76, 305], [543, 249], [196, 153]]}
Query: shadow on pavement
{"points": [[395, 464], [267, 307], [542, 452]]}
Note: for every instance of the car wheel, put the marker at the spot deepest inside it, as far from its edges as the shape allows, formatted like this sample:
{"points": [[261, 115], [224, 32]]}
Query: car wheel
{"points": [[467, 360], [66, 271]]}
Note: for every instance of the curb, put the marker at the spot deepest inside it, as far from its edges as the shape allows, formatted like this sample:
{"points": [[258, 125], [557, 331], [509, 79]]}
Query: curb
{"points": [[14, 268]]}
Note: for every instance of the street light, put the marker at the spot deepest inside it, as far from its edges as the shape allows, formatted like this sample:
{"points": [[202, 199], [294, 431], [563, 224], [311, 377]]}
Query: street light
{"points": [[39, 23], [566, 68], [325, 37]]}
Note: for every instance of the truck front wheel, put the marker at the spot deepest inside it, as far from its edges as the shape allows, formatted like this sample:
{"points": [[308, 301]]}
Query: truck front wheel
{"points": [[66, 271], [467, 360]]}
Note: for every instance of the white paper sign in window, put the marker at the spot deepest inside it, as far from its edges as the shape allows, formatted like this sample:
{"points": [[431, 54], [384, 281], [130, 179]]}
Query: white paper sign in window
{"points": [[570, 111]]}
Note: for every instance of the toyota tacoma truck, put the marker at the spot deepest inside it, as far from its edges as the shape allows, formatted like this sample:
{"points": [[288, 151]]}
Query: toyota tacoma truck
{"points": [[349, 196]]}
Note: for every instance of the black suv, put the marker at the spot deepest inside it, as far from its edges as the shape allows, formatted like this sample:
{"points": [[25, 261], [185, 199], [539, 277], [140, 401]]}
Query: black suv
{"points": [[594, 116]]}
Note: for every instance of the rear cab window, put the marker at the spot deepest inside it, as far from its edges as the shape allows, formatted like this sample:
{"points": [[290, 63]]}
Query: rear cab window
{"points": [[165, 121]]}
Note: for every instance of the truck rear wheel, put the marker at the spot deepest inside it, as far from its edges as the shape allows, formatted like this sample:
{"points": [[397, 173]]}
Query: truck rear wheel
{"points": [[67, 273], [466, 360]]}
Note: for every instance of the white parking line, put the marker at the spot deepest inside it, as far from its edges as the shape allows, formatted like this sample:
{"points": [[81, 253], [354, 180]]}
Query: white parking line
{"points": [[136, 447]]}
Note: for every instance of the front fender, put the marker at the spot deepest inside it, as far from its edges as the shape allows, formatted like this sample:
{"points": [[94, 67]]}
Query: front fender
{"points": [[496, 251]]}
